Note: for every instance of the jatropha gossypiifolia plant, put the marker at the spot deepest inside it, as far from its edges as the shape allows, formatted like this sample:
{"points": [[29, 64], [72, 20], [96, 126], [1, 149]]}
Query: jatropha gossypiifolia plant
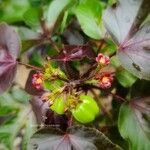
{"points": [[69, 82]]}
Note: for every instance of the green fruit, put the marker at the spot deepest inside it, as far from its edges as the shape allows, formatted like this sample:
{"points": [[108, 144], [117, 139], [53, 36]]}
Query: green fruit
{"points": [[87, 110], [58, 106]]}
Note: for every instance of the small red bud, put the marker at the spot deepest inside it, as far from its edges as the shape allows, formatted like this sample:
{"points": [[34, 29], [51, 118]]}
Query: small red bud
{"points": [[102, 59]]}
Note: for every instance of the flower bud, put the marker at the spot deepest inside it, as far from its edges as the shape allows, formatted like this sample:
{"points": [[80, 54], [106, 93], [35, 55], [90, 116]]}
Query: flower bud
{"points": [[102, 59]]}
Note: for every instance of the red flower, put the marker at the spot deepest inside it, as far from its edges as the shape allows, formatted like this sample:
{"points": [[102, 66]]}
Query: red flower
{"points": [[103, 59], [37, 80], [105, 80]]}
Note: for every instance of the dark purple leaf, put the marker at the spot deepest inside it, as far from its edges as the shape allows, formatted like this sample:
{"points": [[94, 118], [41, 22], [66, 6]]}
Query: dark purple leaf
{"points": [[46, 116], [122, 18], [134, 55], [56, 120], [10, 40], [75, 138], [71, 72], [74, 52], [39, 108], [72, 34], [122, 22], [9, 50]]}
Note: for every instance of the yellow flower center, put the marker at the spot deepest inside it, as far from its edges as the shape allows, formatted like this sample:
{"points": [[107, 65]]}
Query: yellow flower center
{"points": [[105, 80], [102, 60], [39, 81]]}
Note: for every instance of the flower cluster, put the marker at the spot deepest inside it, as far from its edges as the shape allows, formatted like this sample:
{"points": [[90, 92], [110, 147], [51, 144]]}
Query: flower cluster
{"points": [[104, 79]]}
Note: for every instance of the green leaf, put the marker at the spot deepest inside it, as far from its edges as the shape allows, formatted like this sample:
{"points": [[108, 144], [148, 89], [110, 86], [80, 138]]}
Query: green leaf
{"points": [[28, 34], [89, 16], [32, 18], [16, 116], [36, 59], [13, 10], [115, 61], [10, 129], [133, 126], [55, 9], [6, 110], [125, 78], [29, 130], [6, 100], [76, 138]]}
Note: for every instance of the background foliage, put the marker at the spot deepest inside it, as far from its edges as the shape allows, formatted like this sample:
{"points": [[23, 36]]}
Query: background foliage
{"points": [[83, 28]]}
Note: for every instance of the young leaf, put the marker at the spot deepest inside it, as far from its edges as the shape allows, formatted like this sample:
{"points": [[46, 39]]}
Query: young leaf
{"points": [[73, 52], [89, 16], [76, 137], [133, 125], [9, 50]]}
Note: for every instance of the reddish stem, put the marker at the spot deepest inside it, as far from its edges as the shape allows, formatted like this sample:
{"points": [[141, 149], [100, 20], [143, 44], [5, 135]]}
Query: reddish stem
{"points": [[30, 66]]}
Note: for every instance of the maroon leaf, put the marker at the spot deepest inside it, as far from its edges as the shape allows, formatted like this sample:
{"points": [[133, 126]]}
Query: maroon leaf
{"points": [[46, 116], [39, 108], [122, 18], [10, 40], [71, 72], [135, 53], [9, 50], [7, 70], [134, 48], [75, 138], [74, 52]]}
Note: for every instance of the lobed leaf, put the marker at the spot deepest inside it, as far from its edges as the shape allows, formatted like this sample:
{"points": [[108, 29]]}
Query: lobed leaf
{"points": [[76, 137], [120, 18], [134, 55], [122, 21], [9, 51]]}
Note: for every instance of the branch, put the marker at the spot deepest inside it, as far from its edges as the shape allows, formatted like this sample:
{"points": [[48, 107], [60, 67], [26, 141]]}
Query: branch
{"points": [[31, 66]]}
